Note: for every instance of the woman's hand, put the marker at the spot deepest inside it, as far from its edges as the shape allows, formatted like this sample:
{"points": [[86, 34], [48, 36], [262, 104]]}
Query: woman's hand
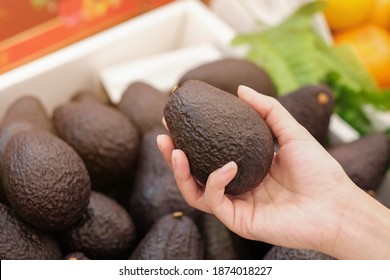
{"points": [[302, 202]]}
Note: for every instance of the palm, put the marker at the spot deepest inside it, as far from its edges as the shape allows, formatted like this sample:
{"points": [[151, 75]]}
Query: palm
{"points": [[278, 209]]}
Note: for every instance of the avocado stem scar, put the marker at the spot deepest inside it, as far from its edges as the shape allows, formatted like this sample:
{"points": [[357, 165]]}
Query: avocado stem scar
{"points": [[178, 214], [322, 98], [174, 89]]}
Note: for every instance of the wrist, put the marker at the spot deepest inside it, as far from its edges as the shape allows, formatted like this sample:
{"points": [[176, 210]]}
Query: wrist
{"points": [[362, 230]]}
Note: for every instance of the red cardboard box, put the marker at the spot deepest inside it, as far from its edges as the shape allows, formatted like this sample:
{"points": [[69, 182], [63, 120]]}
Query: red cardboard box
{"points": [[32, 28]]}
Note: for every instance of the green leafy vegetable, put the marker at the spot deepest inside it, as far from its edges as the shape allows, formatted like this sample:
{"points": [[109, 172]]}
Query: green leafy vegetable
{"points": [[295, 55]]}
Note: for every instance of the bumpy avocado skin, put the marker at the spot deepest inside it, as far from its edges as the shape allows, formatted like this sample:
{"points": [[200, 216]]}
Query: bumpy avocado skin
{"points": [[106, 231], [284, 253], [20, 241], [45, 180], [86, 96], [155, 192], [103, 137], [143, 104], [29, 109], [311, 106], [214, 127], [228, 73], [219, 242], [365, 160], [26, 113], [7, 131], [171, 238]]}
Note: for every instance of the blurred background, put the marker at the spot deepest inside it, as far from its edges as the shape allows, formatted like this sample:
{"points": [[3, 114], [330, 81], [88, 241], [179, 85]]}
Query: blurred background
{"points": [[344, 44]]}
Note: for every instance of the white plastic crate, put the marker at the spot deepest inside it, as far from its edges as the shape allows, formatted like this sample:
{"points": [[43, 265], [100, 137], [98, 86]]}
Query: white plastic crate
{"points": [[57, 76]]}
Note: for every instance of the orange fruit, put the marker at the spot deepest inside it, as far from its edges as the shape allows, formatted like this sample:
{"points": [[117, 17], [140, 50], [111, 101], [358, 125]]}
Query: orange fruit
{"points": [[381, 13], [342, 14], [371, 44]]}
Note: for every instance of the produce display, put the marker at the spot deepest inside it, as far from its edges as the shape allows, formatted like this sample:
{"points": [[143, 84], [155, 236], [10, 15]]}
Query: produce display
{"points": [[91, 183]]}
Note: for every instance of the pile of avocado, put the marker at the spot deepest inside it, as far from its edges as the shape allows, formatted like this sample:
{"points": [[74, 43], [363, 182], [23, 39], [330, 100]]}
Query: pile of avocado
{"points": [[89, 182]]}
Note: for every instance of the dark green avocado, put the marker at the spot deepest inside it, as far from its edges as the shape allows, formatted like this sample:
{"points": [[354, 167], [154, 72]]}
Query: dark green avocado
{"points": [[45, 180], [103, 137], [155, 192], [365, 160], [173, 237], [214, 127], [284, 253], [228, 73], [143, 104], [20, 241], [311, 106], [106, 231]]}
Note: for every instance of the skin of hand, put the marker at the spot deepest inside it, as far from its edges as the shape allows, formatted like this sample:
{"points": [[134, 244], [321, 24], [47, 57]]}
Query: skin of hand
{"points": [[306, 200]]}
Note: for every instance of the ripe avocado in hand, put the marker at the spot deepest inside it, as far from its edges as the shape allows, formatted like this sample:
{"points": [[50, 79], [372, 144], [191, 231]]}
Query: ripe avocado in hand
{"points": [[214, 127]]}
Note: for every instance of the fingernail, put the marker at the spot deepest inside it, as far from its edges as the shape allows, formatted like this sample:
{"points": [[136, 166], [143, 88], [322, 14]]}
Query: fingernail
{"points": [[158, 138], [227, 168], [174, 160], [164, 123]]}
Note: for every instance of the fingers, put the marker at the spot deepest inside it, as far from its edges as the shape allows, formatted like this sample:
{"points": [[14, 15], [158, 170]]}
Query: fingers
{"points": [[280, 121], [165, 144], [178, 163], [216, 200], [188, 186], [164, 123]]}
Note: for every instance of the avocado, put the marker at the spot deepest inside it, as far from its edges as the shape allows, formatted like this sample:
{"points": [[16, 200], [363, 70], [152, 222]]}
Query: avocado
{"points": [[228, 73], [7, 131], [28, 109], [258, 249], [20, 241], [284, 253], [155, 192], [364, 160], [45, 180], [85, 96], [25, 113], [143, 104], [311, 106], [220, 243], [173, 237], [106, 231], [214, 127], [76, 256], [103, 137]]}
